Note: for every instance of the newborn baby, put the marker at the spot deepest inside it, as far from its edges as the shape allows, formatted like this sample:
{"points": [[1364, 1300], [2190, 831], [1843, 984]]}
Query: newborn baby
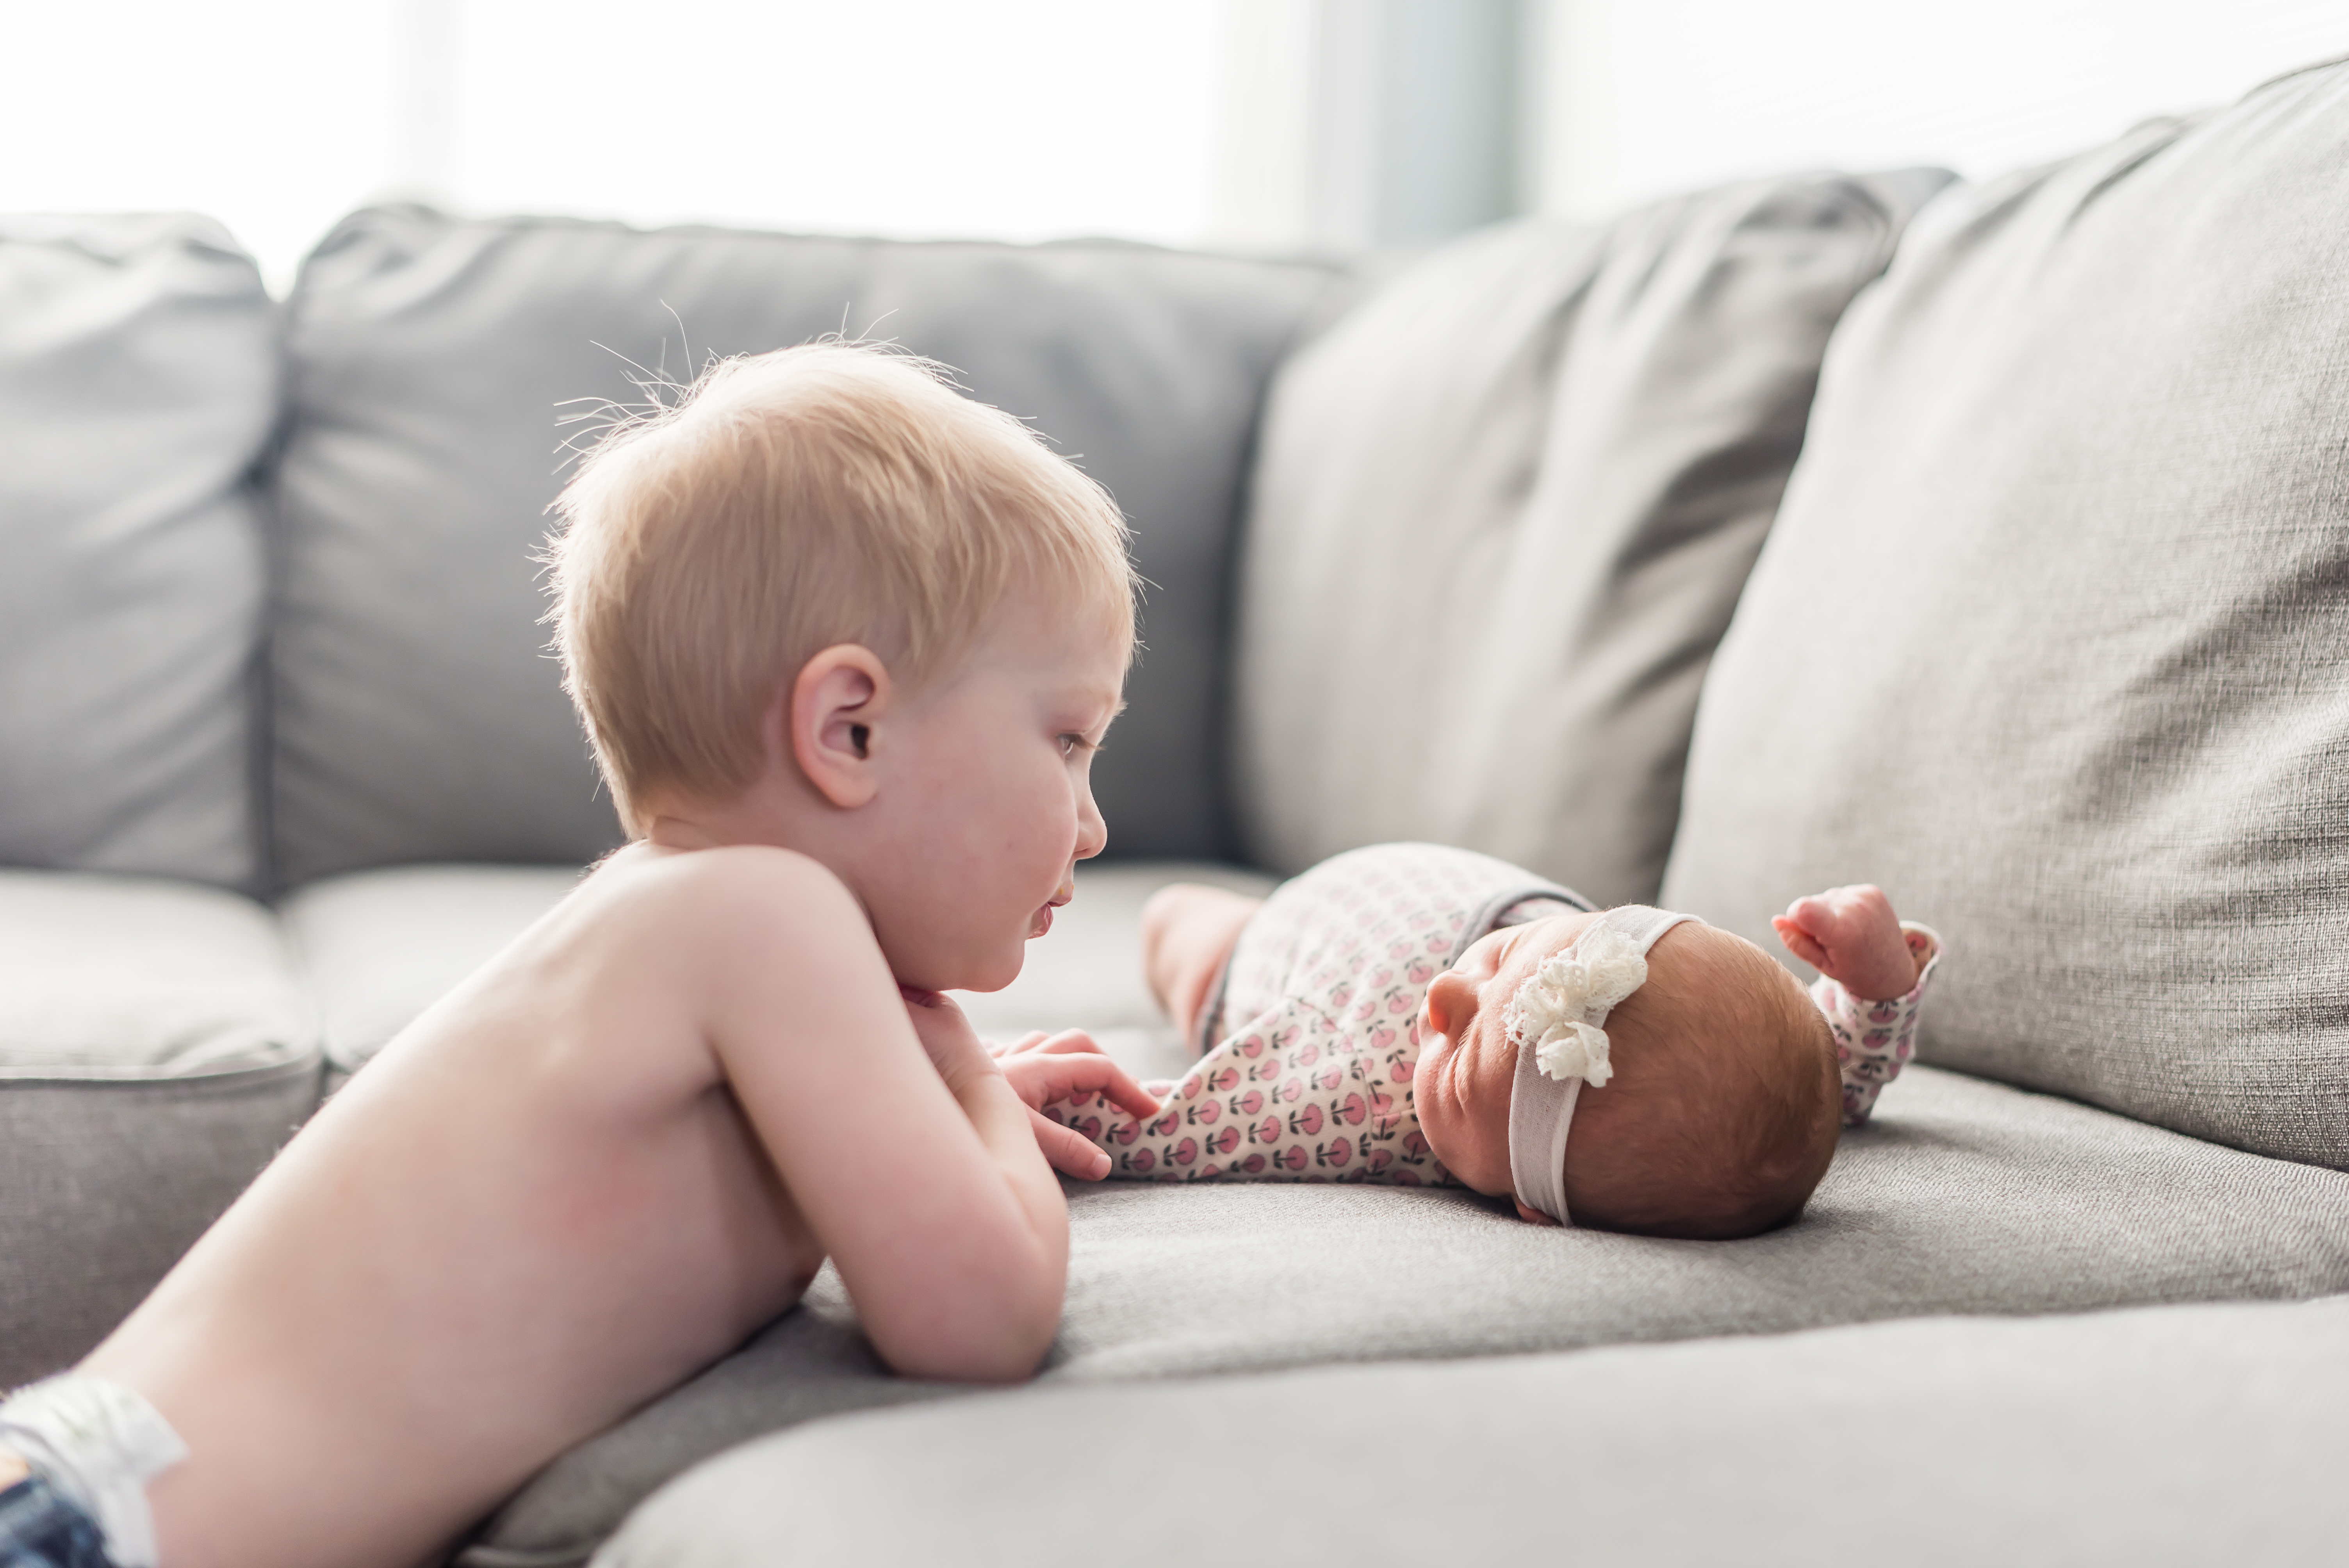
{"points": [[1415, 1015]]}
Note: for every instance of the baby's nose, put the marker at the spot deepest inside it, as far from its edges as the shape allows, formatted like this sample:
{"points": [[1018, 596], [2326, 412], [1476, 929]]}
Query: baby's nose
{"points": [[1451, 1001]]}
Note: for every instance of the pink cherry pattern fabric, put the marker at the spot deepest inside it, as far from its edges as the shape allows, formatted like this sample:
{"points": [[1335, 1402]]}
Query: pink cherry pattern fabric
{"points": [[1313, 1080], [1874, 1040], [1315, 1025]]}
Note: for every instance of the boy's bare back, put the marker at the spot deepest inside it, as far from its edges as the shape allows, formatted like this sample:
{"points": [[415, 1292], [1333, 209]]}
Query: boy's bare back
{"points": [[538, 1208]]}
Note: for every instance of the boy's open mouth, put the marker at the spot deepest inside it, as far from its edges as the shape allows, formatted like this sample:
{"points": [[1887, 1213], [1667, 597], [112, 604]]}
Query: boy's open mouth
{"points": [[1043, 920]]}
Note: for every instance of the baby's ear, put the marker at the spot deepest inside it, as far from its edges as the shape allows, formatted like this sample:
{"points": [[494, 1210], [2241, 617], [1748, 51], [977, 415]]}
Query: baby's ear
{"points": [[828, 719]]}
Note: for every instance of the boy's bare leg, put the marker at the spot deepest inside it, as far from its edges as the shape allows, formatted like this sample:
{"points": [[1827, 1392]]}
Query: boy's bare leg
{"points": [[1187, 933]]}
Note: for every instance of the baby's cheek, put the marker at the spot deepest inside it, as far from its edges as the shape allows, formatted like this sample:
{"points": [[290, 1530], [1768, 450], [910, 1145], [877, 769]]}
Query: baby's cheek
{"points": [[1475, 1148]]}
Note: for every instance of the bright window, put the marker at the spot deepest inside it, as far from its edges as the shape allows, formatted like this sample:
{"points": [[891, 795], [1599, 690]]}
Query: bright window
{"points": [[1641, 98]]}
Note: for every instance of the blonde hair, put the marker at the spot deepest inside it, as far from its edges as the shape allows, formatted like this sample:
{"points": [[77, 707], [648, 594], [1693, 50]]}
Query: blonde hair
{"points": [[836, 493]]}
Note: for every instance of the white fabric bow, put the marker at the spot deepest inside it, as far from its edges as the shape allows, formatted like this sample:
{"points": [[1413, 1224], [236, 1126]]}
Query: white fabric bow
{"points": [[1557, 1011]]}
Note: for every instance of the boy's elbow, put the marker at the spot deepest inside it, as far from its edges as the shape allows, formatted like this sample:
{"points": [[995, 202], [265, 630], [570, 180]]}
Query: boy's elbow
{"points": [[998, 1365], [979, 1345]]}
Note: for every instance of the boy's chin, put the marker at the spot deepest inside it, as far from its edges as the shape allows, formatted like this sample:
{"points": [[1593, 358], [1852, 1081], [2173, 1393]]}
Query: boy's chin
{"points": [[992, 972]]}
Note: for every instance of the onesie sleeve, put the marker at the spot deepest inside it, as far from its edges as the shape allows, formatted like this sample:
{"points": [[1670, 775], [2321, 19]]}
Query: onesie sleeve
{"points": [[1874, 1040], [1285, 1098]]}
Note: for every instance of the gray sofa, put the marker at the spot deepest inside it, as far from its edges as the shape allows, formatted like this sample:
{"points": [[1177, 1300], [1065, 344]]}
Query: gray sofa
{"points": [[1988, 542]]}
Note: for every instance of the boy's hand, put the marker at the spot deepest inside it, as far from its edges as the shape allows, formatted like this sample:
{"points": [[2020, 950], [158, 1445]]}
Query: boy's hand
{"points": [[1027, 1042], [1850, 935], [1042, 1069], [954, 1046]]}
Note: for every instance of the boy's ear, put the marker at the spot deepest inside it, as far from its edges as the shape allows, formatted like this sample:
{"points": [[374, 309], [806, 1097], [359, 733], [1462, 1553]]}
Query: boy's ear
{"points": [[829, 718]]}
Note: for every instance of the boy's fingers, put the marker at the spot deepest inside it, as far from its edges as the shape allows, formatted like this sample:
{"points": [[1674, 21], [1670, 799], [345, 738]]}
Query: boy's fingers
{"points": [[1068, 1042], [1113, 1083], [1068, 1151]]}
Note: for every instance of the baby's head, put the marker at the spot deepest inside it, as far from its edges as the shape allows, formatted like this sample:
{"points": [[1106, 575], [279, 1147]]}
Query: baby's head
{"points": [[1714, 1114], [826, 601]]}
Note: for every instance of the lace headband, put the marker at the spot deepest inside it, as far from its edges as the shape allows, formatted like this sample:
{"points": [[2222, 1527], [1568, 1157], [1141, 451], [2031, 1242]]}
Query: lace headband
{"points": [[1556, 1020]]}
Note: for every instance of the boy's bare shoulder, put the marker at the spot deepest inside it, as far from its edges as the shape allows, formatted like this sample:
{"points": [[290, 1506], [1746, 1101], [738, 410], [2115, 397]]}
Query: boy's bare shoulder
{"points": [[758, 894]]}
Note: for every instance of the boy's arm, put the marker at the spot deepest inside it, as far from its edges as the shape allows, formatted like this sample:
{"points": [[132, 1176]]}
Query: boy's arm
{"points": [[1873, 972], [914, 1166]]}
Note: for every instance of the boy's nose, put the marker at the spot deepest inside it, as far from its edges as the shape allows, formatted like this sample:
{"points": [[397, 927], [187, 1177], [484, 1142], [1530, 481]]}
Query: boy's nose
{"points": [[1092, 832]]}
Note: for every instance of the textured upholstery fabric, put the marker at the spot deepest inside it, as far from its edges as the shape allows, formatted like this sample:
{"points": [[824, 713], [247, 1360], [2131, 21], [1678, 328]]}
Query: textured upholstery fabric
{"points": [[2176, 1434], [1963, 1197], [138, 383], [1503, 511], [2067, 556], [418, 718], [155, 1050]]}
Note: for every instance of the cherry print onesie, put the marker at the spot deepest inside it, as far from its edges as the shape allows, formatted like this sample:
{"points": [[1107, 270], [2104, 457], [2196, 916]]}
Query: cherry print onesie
{"points": [[1314, 1025]]}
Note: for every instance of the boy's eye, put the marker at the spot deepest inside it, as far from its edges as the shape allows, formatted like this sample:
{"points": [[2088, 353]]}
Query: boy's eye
{"points": [[1072, 743]]}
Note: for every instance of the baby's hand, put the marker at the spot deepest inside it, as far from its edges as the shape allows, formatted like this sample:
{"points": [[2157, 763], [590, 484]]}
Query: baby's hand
{"points": [[1043, 1068], [1850, 935]]}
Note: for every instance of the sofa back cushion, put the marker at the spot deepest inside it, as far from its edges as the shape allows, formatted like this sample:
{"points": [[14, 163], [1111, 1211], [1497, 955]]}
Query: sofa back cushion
{"points": [[139, 384], [418, 715], [2049, 638], [1504, 509]]}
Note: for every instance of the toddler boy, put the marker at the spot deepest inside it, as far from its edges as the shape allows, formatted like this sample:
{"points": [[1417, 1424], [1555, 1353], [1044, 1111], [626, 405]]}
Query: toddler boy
{"points": [[845, 643]]}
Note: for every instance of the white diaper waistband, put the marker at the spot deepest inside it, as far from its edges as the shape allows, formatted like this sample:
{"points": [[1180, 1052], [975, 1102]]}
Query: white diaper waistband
{"points": [[97, 1443]]}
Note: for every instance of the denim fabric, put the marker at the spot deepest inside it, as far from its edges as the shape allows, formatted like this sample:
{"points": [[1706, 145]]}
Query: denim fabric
{"points": [[40, 1527]]}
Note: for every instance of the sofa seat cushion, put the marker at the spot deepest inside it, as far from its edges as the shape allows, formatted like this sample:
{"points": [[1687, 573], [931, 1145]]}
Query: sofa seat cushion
{"points": [[379, 947], [1964, 1196], [155, 1050], [2071, 515], [2199, 1434]]}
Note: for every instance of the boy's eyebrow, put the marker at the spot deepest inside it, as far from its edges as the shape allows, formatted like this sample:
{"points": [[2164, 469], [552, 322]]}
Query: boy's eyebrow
{"points": [[1078, 699]]}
